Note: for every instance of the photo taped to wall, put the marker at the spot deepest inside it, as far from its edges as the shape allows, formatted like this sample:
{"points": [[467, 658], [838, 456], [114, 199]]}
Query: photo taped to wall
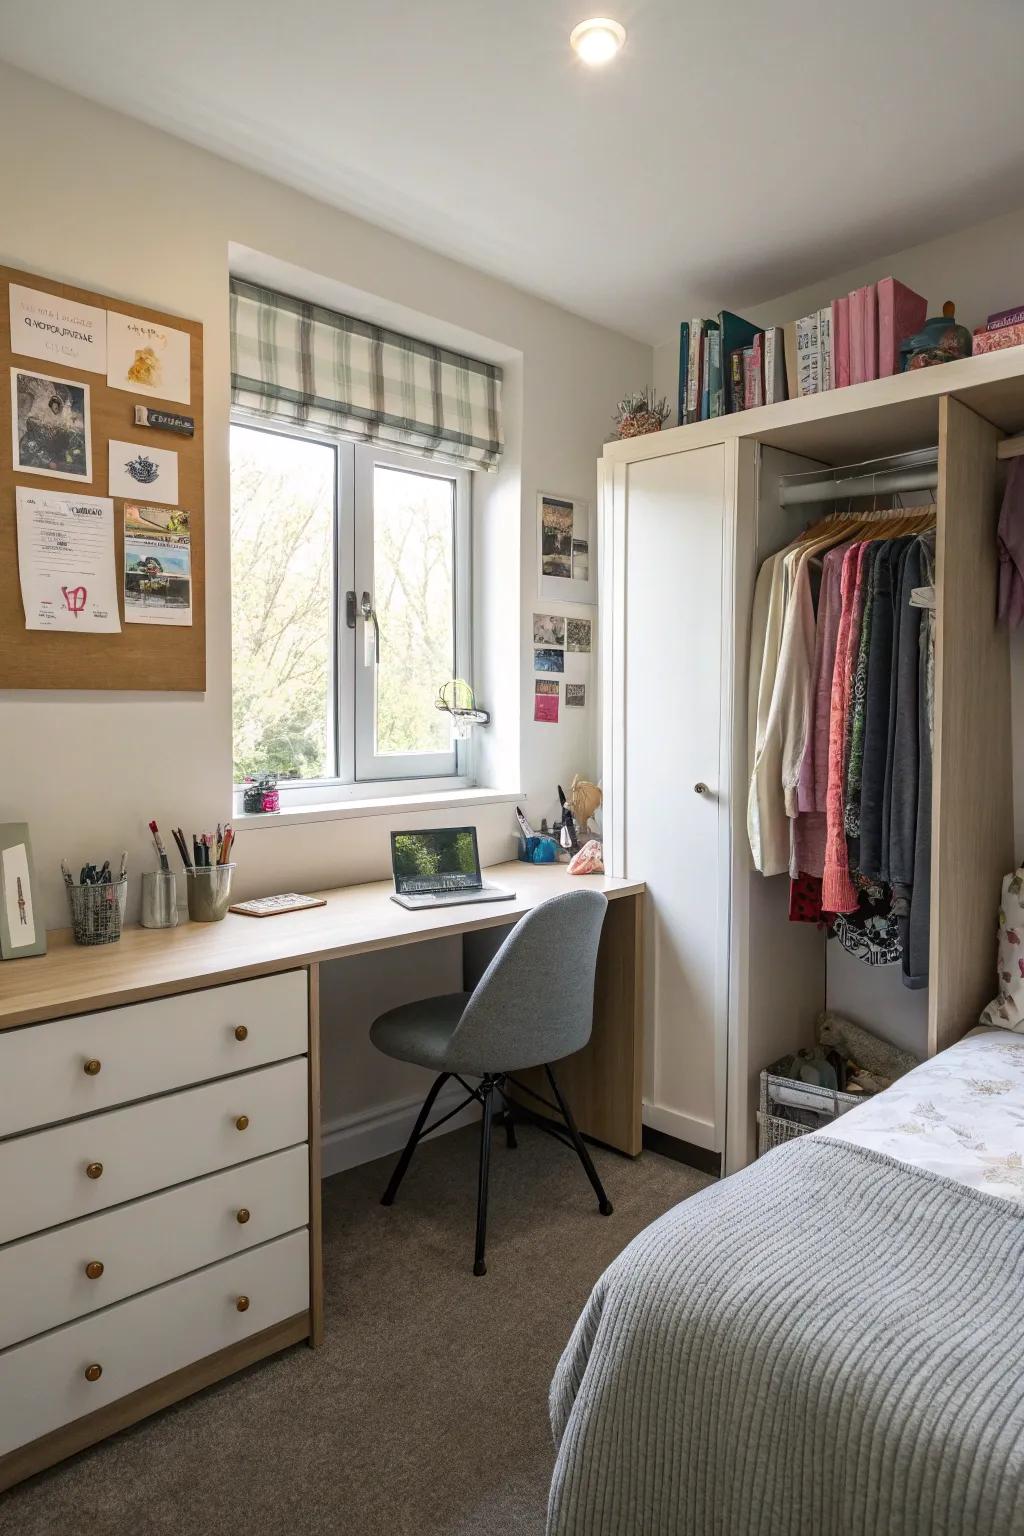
{"points": [[577, 635], [548, 629], [546, 660]]}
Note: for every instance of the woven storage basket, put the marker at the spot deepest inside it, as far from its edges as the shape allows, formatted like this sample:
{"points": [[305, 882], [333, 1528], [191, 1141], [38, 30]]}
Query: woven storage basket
{"points": [[790, 1108]]}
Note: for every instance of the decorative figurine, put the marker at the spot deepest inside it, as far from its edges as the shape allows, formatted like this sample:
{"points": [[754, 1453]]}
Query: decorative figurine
{"points": [[584, 799], [940, 340]]}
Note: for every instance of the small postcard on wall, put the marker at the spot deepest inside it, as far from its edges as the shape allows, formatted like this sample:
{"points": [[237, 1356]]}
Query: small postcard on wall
{"points": [[66, 562], [50, 426], [148, 358], [547, 660], [157, 565], [548, 629], [545, 701], [151, 472], [63, 332], [577, 635], [575, 695]]}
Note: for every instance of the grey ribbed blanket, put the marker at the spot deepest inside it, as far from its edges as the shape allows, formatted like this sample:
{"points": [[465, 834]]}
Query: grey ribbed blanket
{"points": [[829, 1343]]}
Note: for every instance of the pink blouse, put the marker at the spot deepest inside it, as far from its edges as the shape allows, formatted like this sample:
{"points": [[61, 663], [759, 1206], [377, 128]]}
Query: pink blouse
{"points": [[838, 892]]}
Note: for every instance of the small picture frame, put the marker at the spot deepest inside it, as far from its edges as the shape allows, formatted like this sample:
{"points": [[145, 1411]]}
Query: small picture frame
{"points": [[566, 551], [22, 931]]}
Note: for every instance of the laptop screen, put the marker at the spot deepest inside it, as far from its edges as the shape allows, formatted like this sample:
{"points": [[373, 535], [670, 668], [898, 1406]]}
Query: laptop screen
{"points": [[445, 860]]}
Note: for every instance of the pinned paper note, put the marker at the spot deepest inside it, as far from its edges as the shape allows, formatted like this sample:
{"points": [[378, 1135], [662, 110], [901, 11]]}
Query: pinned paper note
{"points": [[157, 565], [147, 358], [66, 562]]}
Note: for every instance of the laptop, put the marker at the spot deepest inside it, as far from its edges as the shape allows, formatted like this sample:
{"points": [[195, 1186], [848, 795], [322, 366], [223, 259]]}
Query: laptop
{"points": [[439, 869]]}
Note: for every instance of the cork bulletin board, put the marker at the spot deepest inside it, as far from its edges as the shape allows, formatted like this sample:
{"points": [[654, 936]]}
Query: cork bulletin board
{"points": [[147, 656]]}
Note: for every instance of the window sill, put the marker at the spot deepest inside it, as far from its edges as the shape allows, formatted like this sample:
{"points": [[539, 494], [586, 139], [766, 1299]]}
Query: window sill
{"points": [[380, 805]]}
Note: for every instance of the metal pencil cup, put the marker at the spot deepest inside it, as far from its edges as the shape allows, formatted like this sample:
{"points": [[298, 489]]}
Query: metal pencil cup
{"points": [[159, 899], [209, 892], [97, 912]]}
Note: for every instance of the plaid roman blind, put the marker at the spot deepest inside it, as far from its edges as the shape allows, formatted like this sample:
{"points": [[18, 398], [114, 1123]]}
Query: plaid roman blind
{"points": [[311, 366]]}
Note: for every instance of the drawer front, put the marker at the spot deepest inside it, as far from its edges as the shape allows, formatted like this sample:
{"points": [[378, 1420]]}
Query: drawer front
{"points": [[45, 1177], [43, 1384], [51, 1072], [49, 1280]]}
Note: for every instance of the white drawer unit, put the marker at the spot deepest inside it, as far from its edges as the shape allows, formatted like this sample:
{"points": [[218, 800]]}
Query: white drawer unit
{"points": [[73, 1170], [78, 1268], [76, 1066], [63, 1375]]}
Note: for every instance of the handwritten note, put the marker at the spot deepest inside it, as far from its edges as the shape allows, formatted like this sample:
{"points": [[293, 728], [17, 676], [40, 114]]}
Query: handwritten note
{"points": [[66, 562]]}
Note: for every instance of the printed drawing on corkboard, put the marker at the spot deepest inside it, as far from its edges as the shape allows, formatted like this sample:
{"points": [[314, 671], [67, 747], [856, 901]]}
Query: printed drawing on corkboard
{"points": [[78, 393]]}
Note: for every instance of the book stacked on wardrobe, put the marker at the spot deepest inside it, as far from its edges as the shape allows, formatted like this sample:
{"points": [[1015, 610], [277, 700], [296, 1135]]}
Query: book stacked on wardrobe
{"points": [[857, 337], [1005, 329], [728, 364]]}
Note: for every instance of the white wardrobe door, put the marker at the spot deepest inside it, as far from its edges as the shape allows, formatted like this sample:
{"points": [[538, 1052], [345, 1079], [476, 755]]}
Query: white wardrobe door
{"points": [[672, 674]]}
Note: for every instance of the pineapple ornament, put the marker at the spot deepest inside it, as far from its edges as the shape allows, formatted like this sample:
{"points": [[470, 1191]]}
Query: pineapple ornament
{"points": [[639, 413]]}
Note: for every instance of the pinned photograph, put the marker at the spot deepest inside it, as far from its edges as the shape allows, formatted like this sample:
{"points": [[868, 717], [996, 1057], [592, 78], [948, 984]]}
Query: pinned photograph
{"points": [[157, 565], [548, 629], [50, 426], [147, 358], [152, 472], [548, 661], [577, 635], [575, 695], [545, 702]]}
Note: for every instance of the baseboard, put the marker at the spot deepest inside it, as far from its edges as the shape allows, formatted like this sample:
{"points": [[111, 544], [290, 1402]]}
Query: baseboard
{"points": [[378, 1132], [682, 1151], [673, 1122]]}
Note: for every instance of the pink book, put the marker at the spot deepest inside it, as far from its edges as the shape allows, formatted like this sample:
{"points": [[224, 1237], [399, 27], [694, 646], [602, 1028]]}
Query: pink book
{"points": [[857, 373], [870, 332], [901, 313], [841, 342], [994, 341]]}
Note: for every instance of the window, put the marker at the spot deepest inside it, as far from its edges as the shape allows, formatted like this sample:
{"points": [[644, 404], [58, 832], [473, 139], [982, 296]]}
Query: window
{"points": [[350, 570]]}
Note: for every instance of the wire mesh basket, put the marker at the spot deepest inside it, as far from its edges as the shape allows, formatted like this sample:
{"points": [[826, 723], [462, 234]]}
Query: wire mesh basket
{"points": [[97, 911], [790, 1108]]}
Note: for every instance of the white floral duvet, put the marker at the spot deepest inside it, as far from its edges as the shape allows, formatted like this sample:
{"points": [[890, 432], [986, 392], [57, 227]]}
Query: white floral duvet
{"points": [[960, 1115]]}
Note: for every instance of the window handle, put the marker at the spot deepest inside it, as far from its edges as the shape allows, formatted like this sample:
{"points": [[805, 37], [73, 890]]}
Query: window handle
{"points": [[366, 608]]}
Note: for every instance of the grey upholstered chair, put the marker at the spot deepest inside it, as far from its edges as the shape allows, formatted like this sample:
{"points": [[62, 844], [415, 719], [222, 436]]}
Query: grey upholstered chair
{"points": [[533, 1005]]}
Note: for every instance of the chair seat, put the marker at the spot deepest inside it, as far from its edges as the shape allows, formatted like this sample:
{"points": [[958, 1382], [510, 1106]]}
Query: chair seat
{"points": [[420, 1032]]}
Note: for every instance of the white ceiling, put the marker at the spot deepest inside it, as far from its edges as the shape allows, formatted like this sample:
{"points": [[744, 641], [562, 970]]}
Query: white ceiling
{"points": [[736, 149]]}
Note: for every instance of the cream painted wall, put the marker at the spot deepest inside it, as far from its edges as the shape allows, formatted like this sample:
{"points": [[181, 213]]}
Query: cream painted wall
{"points": [[121, 208]]}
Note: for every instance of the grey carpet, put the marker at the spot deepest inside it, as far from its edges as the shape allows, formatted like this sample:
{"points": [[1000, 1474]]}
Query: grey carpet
{"points": [[426, 1410]]}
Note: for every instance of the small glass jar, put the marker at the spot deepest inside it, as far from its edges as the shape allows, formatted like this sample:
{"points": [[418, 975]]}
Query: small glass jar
{"points": [[159, 899], [209, 892]]}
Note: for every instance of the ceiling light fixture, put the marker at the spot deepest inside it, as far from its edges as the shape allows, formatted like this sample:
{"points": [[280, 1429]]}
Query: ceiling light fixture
{"points": [[597, 40]]}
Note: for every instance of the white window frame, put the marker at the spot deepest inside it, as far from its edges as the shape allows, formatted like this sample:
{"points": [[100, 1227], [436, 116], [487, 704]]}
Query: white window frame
{"points": [[353, 700]]}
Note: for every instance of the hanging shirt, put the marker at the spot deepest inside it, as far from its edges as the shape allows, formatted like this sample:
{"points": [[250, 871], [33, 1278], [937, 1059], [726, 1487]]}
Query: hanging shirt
{"points": [[838, 893], [854, 754], [876, 707], [1010, 544]]}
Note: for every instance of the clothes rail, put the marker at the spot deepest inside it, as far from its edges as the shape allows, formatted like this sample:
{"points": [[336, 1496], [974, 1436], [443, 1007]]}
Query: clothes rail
{"points": [[916, 471]]}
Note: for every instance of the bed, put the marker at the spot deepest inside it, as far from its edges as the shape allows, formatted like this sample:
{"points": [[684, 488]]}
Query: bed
{"points": [[829, 1343]]}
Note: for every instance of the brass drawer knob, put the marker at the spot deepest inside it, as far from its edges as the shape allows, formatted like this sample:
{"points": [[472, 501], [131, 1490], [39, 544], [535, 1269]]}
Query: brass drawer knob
{"points": [[242, 1304], [94, 1269], [92, 1067], [241, 1032], [242, 1216], [93, 1170], [93, 1372], [242, 1123]]}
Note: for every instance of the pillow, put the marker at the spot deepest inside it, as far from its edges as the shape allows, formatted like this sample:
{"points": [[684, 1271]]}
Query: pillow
{"points": [[1007, 1010]]}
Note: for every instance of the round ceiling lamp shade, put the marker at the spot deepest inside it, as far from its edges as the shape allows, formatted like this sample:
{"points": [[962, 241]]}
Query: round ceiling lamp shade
{"points": [[597, 40]]}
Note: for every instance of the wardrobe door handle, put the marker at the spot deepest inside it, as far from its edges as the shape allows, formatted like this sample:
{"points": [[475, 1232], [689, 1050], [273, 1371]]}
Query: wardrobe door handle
{"points": [[701, 788]]}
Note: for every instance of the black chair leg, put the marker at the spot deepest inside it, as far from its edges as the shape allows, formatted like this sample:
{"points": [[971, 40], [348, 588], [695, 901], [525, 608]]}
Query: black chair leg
{"points": [[487, 1095], [510, 1124], [604, 1205], [388, 1197]]}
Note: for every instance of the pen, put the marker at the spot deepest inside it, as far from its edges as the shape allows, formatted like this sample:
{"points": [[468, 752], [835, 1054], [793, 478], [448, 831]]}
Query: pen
{"points": [[158, 840], [124, 866]]}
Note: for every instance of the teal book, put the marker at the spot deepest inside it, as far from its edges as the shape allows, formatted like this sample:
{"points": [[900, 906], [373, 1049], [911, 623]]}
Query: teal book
{"points": [[684, 366], [735, 335]]}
